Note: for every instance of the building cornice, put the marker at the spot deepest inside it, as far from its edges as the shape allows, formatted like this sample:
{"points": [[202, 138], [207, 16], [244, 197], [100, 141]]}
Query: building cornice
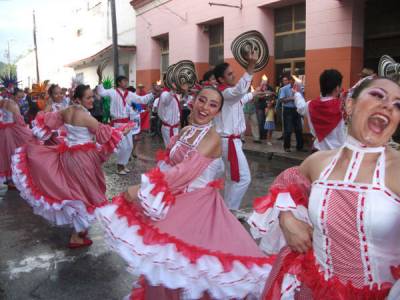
{"points": [[143, 6]]}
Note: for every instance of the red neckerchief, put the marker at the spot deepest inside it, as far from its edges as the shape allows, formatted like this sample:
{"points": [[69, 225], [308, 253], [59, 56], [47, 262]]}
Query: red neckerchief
{"points": [[142, 93], [123, 96], [325, 116], [222, 87]]}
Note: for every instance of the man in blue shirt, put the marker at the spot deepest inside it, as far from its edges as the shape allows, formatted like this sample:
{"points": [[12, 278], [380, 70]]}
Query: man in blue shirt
{"points": [[291, 118]]}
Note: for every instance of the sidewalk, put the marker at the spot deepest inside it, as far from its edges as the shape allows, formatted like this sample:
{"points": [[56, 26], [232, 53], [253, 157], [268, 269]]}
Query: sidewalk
{"points": [[260, 150], [276, 150]]}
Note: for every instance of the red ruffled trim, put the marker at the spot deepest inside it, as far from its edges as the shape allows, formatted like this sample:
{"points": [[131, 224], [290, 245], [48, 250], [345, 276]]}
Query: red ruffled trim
{"points": [[333, 288], [115, 139], [35, 191], [217, 184], [156, 177], [6, 125], [152, 236], [39, 122], [395, 272], [162, 155], [261, 204], [139, 292]]}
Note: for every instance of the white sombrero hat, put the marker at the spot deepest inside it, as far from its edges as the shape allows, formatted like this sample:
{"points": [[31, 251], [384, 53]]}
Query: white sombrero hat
{"points": [[184, 72], [248, 42]]}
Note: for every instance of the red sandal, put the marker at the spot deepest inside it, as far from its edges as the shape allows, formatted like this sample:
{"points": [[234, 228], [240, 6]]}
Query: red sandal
{"points": [[86, 243]]}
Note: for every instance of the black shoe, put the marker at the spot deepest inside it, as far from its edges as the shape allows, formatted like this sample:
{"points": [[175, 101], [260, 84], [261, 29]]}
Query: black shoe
{"points": [[288, 150], [280, 138], [257, 142]]}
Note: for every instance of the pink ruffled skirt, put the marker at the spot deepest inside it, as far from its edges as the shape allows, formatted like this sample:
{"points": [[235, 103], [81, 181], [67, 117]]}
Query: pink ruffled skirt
{"points": [[198, 250], [62, 184], [12, 136]]}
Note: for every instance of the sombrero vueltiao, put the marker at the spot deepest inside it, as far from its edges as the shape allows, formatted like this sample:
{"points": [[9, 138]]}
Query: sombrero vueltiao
{"points": [[247, 42], [388, 67], [169, 77], [184, 73]]}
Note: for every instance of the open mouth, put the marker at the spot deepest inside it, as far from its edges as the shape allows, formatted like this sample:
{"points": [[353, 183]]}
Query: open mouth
{"points": [[203, 115], [377, 123]]}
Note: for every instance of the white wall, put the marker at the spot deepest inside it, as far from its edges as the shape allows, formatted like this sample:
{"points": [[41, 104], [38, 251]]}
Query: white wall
{"points": [[90, 75], [59, 43]]}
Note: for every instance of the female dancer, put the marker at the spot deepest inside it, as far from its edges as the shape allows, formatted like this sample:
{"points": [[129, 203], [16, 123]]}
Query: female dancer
{"points": [[64, 183], [339, 212], [54, 103], [13, 134], [174, 228]]}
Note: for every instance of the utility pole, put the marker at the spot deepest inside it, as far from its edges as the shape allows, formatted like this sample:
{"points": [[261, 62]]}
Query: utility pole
{"points": [[114, 39], [35, 48], [9, 58]]}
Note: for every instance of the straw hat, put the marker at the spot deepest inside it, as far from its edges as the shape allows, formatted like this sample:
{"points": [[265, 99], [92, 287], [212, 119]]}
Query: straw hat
{"points": [[184, 72], [388, 67], [247, 42], [169, 77]]}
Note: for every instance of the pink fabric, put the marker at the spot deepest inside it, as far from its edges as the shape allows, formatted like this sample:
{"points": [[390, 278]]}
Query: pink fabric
{"points": [[342, 222], [12, 137], [50, 122], [181, 174], [71, 174], [289, 181], [53, 120], [200, 217]]}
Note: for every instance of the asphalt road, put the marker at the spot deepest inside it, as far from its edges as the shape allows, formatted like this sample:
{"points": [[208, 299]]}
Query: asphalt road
{"points": [[34, 260]]}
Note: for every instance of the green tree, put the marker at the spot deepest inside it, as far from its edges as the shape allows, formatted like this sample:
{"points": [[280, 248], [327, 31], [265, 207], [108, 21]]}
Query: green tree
{"points": [[5, 68]]}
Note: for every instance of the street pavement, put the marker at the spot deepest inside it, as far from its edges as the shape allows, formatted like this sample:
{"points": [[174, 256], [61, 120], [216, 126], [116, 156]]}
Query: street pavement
{"points": [[34, 260]]}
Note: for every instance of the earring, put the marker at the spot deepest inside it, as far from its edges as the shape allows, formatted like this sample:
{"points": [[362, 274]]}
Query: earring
{"points": [[348, 119]]}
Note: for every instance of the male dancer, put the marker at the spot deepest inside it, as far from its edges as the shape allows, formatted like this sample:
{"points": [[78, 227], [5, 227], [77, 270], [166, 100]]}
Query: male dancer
{"points": [[230, 125], [169, 111], [120, 111]]}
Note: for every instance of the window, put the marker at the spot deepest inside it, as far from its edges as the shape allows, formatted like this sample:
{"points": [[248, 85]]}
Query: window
{"points": [[164, 49], [290, 39], [79, 77], [79, 32], [216, 49], [123, 70]]}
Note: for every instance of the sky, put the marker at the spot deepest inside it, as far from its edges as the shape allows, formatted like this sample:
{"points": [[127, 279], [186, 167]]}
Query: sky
{"points": [[16, 22]]}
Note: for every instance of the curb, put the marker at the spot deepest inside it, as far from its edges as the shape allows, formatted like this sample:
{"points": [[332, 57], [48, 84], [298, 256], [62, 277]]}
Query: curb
{"points": [[275, 155]]}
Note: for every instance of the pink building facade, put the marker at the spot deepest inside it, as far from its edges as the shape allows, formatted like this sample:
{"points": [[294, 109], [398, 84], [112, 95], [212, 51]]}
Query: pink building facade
{"points": [[304, 37]]}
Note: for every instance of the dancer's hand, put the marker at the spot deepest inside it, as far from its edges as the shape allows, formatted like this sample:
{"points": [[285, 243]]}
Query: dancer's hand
{"points": [[127, 129], [131, 193], [298, 234], [252, 59]]}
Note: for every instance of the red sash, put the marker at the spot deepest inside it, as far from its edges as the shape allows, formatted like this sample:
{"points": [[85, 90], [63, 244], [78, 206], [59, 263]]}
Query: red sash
{"points": [[171, 128], [124, 120], [232, 157], [325, 116]]}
